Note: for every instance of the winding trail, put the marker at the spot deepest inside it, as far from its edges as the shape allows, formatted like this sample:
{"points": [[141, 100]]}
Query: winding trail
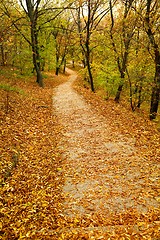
{"points": [[103, 170]]}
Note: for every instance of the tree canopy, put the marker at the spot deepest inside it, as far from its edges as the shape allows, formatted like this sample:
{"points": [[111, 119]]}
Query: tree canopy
{"points": [[117, 44]]}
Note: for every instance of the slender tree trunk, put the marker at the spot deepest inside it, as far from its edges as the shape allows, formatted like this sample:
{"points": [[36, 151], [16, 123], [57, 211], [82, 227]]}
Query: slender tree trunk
{"points": [[120, 87], [90, 75], [86, 47], [87, 44], [139, 96], [36, 57], [155, 97], [40, 78], [89, 67], [60, 63], [64, 67], [118, 94], [3, 55], [57, 54], [57, 70], [127, 36], [131, 92], [33, 15]]}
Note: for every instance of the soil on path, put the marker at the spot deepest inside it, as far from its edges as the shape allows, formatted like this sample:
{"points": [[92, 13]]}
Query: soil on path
{"points": [[104, 172]]}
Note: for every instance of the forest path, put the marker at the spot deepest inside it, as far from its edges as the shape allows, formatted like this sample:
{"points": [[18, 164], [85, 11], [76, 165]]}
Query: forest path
{"points": [[103, 170]]}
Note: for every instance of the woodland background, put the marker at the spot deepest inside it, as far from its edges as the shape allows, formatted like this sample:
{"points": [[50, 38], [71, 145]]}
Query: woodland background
{"points": [[116, 43]]}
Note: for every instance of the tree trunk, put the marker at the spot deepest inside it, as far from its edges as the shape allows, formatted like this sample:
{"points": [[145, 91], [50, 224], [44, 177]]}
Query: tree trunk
{"points": [[3, 55], [127, 36], [118, 94], [33, 14], [155, 97], [57, 58], [64, 66], [36, 57], [88, 52], [90, 75], [39, 78], [87, 56], [57, 70], [120, 87], [139, 96], [85, 44], [156, 85]]}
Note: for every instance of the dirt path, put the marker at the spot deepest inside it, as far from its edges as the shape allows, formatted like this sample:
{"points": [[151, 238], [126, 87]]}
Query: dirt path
{"points": [[103, 170]]}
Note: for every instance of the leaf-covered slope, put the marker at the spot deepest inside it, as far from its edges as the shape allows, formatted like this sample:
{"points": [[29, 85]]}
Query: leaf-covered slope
{"points": [[30, 188]]}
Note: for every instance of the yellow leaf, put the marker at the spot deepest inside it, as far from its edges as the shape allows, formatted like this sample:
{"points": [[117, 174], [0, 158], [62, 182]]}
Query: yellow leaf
{"points": [[21, 236], [74, 231], [59, 169], [76, 220], [157, 199], [28, 234], [140, 224], [61, 237], [44, 204]]}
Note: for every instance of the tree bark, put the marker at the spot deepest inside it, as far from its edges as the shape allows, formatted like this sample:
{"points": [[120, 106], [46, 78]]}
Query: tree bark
{"points": [[118, 94], [155, 96], [90, 76], [32, 11], [3, 55], [87, 54], [85, 43], [127, 36], [64, 66], [36, 57], [57, 70], [139, 96]]}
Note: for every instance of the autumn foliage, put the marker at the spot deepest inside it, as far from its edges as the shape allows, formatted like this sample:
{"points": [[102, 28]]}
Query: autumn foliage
{"points": [[31, 167], [30, 185]]}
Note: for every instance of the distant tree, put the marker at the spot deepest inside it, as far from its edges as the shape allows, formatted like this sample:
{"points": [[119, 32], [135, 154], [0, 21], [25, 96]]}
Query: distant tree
{"points": [[88, 16], [7, 37], [62, 33], [126, 30], [4, 28]]}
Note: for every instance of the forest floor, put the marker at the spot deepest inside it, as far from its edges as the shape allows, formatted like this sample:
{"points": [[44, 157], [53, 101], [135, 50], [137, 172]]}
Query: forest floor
{"points": [[78, 167]]}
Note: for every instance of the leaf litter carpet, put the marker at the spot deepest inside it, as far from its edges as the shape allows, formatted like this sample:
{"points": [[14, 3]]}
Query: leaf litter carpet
{"points": [[110, 190]]}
